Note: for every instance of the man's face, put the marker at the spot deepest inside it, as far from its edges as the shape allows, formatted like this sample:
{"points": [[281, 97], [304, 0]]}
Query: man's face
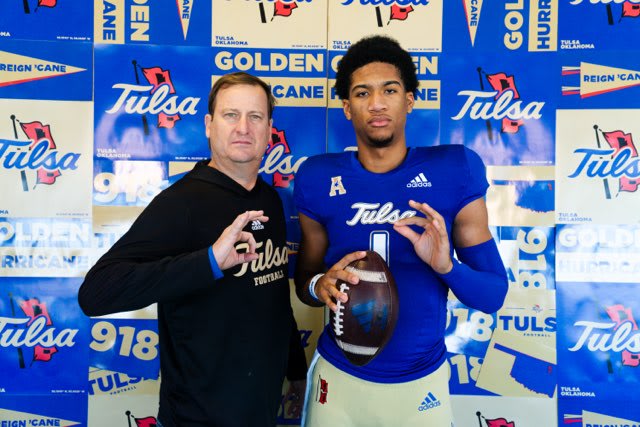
{"points": [[378, 104], [239, 129]]}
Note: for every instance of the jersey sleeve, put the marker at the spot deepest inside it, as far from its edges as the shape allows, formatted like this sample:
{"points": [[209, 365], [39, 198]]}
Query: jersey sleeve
{"points": [[475, 177]]}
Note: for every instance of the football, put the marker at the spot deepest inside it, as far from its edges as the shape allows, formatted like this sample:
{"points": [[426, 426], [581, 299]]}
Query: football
{"points": [[364, 324]]}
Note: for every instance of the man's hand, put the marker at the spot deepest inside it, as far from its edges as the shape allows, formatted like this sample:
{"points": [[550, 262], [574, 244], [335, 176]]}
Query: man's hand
{"points": [[326, 288], [432, 245], [224, 249], [295, 398]]}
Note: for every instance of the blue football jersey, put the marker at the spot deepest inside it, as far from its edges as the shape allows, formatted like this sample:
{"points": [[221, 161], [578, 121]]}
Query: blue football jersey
{"points": [[358, 208]]}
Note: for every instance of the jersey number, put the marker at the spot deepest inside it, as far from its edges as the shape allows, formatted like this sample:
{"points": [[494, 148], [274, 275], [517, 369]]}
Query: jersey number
{"points": [[379, 242]]}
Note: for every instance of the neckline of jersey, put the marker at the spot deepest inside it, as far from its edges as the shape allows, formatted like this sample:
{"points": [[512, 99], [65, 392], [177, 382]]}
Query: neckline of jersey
{"points": [[357, 165]]}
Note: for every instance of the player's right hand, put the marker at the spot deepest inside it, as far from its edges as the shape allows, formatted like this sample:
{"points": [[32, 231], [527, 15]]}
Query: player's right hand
{"points": [[326, 288]]}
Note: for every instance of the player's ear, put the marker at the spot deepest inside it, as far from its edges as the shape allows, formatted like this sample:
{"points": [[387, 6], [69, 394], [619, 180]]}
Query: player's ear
{"points": [[346, 107], [410, 102]]}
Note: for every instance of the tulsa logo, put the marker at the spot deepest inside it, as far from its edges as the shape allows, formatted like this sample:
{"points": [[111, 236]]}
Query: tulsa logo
{"points": [[399, 10], [157, 97], [278, 160], [377, 213], [619, 335], [502, 103], [36, 332], [38, 153], [280, 8], [618, 162]]}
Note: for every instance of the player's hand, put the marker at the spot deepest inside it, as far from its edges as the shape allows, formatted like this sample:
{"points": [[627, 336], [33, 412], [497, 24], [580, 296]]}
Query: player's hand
{"points": [[432, 245], [224, 249], [326, 288]]}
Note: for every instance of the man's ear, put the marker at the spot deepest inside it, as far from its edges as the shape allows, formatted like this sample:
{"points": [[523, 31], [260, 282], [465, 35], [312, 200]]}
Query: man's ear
{"points": [[207, 124], [346, 107]]}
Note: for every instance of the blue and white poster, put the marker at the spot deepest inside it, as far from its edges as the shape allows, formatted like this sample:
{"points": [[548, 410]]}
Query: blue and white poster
{"points": [[46, 70], [528, 254], [596, 79], [150, 102], [509, 26], [45, 155], [44, 347], [44, 410], [591, 413], [597, 253], [44, 247], [598, 352], [128, 346], [128, 182], [53, 20], [521, 195], [169, 22], [598, 25], [597, 155], [501, 106]]}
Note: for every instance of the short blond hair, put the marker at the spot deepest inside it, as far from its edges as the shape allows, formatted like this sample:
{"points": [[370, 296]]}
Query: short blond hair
{"points": [[240, 78]]}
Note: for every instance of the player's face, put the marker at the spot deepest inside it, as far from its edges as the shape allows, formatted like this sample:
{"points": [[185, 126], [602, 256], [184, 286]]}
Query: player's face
{"points": [[378, 104], [239, 129]]}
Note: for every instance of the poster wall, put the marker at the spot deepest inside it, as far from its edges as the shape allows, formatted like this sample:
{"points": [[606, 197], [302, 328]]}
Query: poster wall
{"points": [[102, 106]]}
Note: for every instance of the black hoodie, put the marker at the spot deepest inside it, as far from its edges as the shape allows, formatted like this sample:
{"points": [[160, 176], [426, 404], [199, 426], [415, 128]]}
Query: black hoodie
{"points": [[223, 343]]}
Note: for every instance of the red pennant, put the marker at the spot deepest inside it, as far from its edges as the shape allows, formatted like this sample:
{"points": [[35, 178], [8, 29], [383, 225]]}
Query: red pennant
{"points": [[400, 12], [157, 76], [283, 9]]}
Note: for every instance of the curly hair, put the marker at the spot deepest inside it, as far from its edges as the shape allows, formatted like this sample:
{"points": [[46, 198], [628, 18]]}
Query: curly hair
{"points": [[375, 48]]}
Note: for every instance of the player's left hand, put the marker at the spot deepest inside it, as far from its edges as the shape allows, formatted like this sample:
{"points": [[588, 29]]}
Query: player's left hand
{"points": [[432, 245]]}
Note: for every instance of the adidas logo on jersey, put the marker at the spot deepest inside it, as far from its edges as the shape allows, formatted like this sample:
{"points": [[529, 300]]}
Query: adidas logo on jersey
{"points": [[256, 225], [430, 401], [419, 181]]}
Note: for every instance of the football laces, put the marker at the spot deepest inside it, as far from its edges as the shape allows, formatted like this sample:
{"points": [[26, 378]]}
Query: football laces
{"points": [[337, 318]]}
